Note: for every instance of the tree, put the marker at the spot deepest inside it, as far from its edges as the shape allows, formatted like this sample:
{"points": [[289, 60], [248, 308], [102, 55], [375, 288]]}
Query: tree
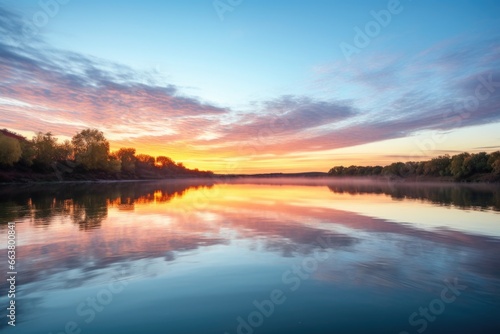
{"points": [[64, 151], [337, 171], [45, 148], [164, 162], [395, 169], [127, 158], [114, 164], [457, 165], [146, 159], [377, 170], [476, 163], [420, 167], [460, 166], [91, 149], [28, 152], [494, 162], [439, 166], [10, 150]]}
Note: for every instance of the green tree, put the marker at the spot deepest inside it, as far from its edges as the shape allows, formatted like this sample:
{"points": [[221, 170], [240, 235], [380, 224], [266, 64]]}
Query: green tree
{"points": [[494, 162], [439, 166], [457, 165], [127, 158], [91, 149], [64, 151], [28, 152], [476, 163], [45, 148], [10, 150], [395, 169], [114, 164]]}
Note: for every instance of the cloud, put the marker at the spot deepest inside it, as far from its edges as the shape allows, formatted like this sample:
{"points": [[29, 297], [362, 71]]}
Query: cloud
{"points": [[290, 115], [398, 96], [381, 96], [65, 88]]}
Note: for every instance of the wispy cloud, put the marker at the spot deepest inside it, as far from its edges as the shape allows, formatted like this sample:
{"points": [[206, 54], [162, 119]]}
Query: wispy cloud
{"points": [[378, 97], [66, 90]]}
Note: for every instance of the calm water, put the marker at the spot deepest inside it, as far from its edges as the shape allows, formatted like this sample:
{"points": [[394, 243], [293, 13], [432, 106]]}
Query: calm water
{"points": [[265, 257]]}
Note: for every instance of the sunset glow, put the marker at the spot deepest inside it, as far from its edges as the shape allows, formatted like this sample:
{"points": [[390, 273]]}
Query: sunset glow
{"points": [[265, 87]]}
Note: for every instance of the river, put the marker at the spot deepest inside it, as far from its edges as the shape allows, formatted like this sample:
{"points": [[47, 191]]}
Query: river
{"points": [[252, 256]]}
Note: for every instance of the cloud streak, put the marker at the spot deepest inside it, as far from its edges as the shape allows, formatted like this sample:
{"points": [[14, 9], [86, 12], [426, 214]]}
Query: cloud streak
{"points": [[63, 87], [382, 96]]}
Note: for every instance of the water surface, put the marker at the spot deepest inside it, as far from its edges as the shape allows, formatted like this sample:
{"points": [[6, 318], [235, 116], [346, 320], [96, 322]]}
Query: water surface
{"points": [[249, 256]]}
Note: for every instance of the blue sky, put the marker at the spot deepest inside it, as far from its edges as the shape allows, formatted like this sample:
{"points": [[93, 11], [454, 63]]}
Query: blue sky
{"points": [[260, 48], [265, 60]]}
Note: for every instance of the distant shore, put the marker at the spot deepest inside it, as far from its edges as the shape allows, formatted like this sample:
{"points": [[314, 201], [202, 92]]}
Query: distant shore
{"points": [[483, 178], [16, 177]]}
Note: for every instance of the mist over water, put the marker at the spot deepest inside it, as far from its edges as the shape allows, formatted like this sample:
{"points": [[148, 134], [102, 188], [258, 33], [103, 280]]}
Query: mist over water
{"points": [[191, 256]]}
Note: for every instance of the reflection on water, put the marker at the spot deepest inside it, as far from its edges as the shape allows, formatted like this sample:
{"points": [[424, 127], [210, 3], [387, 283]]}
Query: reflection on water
{"points": [[87, 204], [194, 257], [463, 196]]}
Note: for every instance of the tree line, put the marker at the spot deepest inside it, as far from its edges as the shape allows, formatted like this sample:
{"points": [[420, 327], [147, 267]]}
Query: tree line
{"points": [[459, 167], [88, 152]]}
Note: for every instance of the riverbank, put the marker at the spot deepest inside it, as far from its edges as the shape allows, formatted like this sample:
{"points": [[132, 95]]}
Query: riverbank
{"points": [[16, 177], [477, 178]]}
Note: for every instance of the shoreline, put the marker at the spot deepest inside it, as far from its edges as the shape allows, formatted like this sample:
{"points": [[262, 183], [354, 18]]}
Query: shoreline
{"points": [[307, 177]]}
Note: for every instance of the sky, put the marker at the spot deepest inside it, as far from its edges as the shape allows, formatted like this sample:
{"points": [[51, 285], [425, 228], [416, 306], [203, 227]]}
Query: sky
{"points": [[254, 86]]}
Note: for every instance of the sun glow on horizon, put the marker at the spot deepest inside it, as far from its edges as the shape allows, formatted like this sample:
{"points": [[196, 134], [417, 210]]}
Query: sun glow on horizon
{"points": [[246, 112]]}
